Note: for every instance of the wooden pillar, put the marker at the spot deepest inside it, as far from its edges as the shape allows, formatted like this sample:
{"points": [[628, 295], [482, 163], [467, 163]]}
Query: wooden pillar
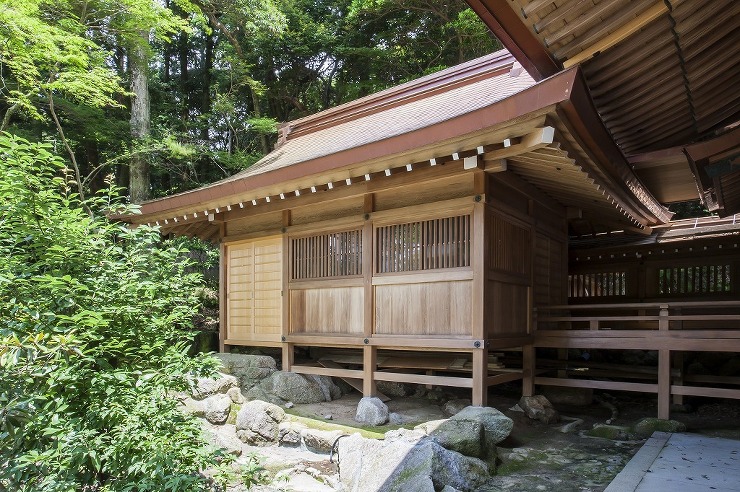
{"points": [[288, 356], [369, 365], [528, 370], [223, 278], [480, 377], [677, 363], [664, 370]]}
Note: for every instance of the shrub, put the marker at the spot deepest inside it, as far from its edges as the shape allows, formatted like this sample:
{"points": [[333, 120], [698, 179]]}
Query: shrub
{"points": [[93, 342]]}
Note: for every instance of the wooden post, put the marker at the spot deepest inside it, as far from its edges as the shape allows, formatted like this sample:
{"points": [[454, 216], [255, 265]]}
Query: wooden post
{"points": [[288, 356], [369, 365], [528, 370], [480, 377], [222, 297], [664, 369], [677, 363]]}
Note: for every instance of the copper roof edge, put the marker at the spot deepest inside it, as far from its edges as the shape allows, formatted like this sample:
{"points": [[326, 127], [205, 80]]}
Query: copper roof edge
{"points": [[463, 74]]}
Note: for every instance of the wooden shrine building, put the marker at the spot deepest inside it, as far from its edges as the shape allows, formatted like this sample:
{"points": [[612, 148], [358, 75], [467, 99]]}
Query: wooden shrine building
{"points": [[505, 204]]}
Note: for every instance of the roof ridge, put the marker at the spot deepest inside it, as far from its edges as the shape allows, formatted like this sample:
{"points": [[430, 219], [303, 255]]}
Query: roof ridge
{"points": [[442, 81]]}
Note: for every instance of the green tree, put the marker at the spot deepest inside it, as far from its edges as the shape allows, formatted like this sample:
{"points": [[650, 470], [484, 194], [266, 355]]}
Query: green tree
{"points": [[93, 342]]}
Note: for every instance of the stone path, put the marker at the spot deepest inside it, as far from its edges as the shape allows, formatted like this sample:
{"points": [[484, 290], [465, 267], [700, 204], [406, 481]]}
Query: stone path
{"points": [[682, 462]]}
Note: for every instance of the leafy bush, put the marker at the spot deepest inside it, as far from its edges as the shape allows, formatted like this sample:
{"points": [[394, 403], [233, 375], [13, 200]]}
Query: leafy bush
{"points": [[93, 342]]}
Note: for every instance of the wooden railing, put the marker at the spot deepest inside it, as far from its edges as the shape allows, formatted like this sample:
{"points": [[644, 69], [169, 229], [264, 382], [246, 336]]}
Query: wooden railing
{"points": [[669, 328]]}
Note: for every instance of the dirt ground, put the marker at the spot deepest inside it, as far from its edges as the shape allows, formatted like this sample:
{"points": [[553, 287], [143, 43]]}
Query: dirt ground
{"points": [[540, 457]]}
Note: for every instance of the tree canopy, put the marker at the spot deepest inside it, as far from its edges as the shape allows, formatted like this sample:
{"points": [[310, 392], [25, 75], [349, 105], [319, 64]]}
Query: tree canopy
{"points": [[211, 77]]}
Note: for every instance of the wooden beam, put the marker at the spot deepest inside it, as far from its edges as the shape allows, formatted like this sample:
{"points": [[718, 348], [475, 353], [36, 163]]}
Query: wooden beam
{"points": [[369, 367], [423, 379], [606, 385], [540, 137], [480, 378], [223, 301], [327, 371], [619, 35]]}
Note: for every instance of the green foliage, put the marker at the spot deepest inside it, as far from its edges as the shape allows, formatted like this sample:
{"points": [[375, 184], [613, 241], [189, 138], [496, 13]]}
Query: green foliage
{"points": [[92, 343]]}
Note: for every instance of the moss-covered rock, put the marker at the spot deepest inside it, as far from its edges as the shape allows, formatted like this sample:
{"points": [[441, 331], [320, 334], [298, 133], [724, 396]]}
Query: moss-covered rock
{"points": [[611, 432], [646, 426]]}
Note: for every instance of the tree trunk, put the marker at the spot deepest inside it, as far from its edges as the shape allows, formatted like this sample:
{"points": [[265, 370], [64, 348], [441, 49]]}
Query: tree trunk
{"points": [[139, 170]]}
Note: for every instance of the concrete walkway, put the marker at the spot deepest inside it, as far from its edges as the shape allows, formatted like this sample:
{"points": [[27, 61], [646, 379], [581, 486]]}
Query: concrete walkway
{"points": [[681, 463]]}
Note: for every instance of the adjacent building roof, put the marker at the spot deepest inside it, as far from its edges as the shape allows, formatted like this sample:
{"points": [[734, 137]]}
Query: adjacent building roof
{"points": [[662, 73]]}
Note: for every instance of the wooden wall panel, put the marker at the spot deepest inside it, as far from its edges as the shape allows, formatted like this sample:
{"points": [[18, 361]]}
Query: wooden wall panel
{"points": [[335, 310], [268, 259], [435, 308], [239, 290], [260, 222], [510, 245], [444, 189], [334, 209], [253, 291], [549, 277], [507, 308]]}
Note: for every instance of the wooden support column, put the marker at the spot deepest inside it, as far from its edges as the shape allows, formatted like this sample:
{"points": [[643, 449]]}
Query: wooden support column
{"points": [[288, 356], [528, 370], [369, 352], [369, 365], [677, 363], [222, 297], [288, 352], [480, 377], [664, 369]]}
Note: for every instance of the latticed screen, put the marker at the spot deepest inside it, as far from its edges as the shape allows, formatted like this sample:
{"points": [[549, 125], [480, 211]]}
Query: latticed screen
{"points": [[597, 284], [424, 245], [337, 254], [695, 279]]}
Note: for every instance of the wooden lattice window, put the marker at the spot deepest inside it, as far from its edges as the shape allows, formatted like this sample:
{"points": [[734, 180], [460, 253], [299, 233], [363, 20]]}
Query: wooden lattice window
{"points": [[510, 246], [424, 245], [600, 284], [704, 279], [336, 254]]}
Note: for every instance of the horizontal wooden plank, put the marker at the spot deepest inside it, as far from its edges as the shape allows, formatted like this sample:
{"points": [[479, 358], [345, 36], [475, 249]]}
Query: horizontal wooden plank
{"points": [[327, 371], [266, 341], [322, 340], [432, 210], [442, 275], [641, 343], [503, 378], [509, 341], [423, 379], [326, 283], [708, 392], [436, 343], [607, 385]]}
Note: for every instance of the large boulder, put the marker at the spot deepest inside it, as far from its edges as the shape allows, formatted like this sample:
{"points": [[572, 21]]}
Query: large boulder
{"points": [[258, 423], [289, 433], [206, 387], [410, 462], [393, 388], [216, 408], [496, 425], [538, 407], [297, 388], [249, 370], [371, 411], [473, 431]]}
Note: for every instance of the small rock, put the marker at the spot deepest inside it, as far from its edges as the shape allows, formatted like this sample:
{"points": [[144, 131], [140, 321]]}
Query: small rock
{"points": [[392, 388], [319, 441], [448, 488], [570, 426], [328, 416], [289, 433], [206, 387], [217, 408], [646, 426], [453, 406], [224, 437], [289, 404], [575, 397], [539, 408], [496, 425], [236, 395], [258, 423], [372, 411], [397, 418], [611, 432], [516, 408]]}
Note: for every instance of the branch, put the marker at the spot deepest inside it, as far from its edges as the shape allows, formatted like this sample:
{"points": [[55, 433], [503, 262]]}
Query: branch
{"points": [[78, 175], [9, 114]]}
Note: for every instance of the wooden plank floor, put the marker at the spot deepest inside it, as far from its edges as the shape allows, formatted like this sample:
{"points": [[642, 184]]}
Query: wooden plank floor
{"points": [[682, 462]]}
